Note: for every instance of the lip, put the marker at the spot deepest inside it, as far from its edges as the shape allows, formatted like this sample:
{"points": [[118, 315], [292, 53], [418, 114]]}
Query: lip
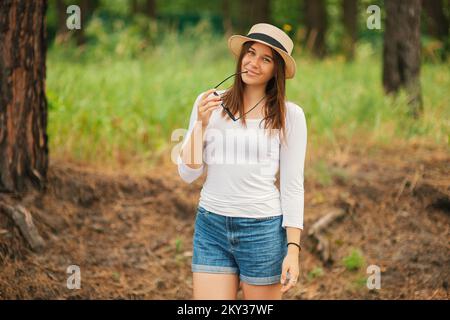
{"points": [[252, 74]]}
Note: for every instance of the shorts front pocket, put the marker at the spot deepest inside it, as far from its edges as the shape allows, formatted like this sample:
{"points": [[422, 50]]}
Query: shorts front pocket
{"points": [[201, 210]]}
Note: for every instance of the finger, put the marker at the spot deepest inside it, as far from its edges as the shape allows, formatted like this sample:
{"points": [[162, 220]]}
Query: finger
{"points": [[207, 93], [287, 287], [209, 100], [291, 283], [210, 110], [209, 106], [284, 274], [212, 98]]}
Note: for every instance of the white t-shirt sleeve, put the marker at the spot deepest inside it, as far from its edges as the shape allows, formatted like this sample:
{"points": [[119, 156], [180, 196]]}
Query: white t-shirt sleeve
{"points": [[187, 173], [292, 162]]}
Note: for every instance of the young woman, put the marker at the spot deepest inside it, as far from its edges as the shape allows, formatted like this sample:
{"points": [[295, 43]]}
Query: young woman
{"points": [[247, 231]]}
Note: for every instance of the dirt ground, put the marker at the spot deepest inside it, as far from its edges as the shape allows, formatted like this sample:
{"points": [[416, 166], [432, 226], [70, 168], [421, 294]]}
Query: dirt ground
{"points": [[131, 236]]}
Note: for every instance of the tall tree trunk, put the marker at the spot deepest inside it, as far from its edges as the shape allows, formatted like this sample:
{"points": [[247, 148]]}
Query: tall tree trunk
{"points": [[61, 17], [134, 7], [349, 17], [316, 26], [401, 52], [437, 23], [87, 8], [150, 8], [254, 11], [226, 14], [23, 105]]}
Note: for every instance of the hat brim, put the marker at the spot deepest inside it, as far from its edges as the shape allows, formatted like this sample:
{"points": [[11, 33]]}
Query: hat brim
{"points": [[235, 43]]}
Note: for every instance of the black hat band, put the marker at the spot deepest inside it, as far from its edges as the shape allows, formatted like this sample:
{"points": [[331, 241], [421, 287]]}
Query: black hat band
{"points": [[268, 39]]}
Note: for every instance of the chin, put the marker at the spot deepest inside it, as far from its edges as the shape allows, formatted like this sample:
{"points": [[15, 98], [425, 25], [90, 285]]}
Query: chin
{"points": [[251, 80]]}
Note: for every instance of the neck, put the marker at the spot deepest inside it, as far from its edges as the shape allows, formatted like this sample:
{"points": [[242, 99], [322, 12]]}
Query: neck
{"points": [[252, 94]]}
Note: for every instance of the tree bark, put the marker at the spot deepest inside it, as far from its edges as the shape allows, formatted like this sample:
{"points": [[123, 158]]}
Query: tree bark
{"points": [[401, 52], [135, 7], [23, 105], [254, 11], [227, 23], [349, 17], [150, 9], [316, 26], [437, 24], [87, 8], [24, 221], [61, 17]]}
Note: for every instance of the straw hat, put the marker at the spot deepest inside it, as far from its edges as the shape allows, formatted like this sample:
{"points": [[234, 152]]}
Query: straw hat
{"points": [[271, 36]]}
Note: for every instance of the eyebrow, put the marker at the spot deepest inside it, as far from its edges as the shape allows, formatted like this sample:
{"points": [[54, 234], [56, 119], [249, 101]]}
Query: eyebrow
{"points": [[266, 55]]}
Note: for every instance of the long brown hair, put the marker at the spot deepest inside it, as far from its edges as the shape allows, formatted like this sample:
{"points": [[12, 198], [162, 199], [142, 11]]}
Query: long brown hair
{"points": [[275, 109]]}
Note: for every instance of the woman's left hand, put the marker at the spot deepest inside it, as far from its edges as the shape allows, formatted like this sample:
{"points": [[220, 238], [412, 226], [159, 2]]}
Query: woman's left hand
{"points": [[290, 265]]}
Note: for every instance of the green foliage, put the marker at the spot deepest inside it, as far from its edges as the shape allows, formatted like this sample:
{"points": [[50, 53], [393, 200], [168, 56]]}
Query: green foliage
{"points": [[315, 273], [321, 172], [178, 245], [288, 12], [324, 174], [354, 261], [360, 282]]}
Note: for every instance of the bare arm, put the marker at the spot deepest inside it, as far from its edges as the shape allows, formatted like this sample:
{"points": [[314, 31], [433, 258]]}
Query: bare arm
{"points": [[190, 157], [293, 235], [192, 152]]}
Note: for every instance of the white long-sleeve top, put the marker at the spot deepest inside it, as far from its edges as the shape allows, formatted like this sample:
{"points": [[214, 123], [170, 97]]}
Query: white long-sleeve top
{"points": [[242, 164]]}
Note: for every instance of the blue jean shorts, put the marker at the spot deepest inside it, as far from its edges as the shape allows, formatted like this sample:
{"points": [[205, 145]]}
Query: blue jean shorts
{"points": [[253, 248]]}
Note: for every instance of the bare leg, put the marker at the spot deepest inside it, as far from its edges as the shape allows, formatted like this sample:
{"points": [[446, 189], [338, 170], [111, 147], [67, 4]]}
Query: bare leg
{"points": [[266, 292], [214, 286]]}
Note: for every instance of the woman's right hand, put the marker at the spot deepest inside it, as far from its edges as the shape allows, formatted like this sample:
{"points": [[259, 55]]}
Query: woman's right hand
{"points": [[206, 106]]}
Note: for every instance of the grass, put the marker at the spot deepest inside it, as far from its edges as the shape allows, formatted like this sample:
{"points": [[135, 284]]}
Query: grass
{"points": [[354, 261], [360, 282], [324, 173], [110, 106], [315, 273], [178, 245]]}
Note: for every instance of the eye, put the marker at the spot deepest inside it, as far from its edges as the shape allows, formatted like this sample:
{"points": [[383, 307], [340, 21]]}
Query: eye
{"points": [[266, 59]]}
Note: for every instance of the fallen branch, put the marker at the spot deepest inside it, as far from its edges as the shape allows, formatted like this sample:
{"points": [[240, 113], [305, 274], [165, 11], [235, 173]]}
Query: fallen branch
{"points": [[316, 233], [23, 219], [54, 222], [418, 174]]}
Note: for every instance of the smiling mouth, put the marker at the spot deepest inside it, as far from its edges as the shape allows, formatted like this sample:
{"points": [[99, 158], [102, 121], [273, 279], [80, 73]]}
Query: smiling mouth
{"points": [[251, 73]]}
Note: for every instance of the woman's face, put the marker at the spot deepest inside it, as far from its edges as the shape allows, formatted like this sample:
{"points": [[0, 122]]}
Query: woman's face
{"points": [[260, 64]]}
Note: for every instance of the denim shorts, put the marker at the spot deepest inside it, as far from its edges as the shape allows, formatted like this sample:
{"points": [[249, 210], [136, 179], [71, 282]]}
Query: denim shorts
{"points": [[253, 248]]}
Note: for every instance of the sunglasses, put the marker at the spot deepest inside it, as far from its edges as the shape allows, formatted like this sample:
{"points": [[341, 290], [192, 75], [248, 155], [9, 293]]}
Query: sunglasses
{"points": [[223, 106]]}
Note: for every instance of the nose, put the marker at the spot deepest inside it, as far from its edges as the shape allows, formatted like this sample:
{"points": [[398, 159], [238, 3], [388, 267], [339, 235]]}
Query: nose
{"points": [[253, 60], [253, 64]]}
